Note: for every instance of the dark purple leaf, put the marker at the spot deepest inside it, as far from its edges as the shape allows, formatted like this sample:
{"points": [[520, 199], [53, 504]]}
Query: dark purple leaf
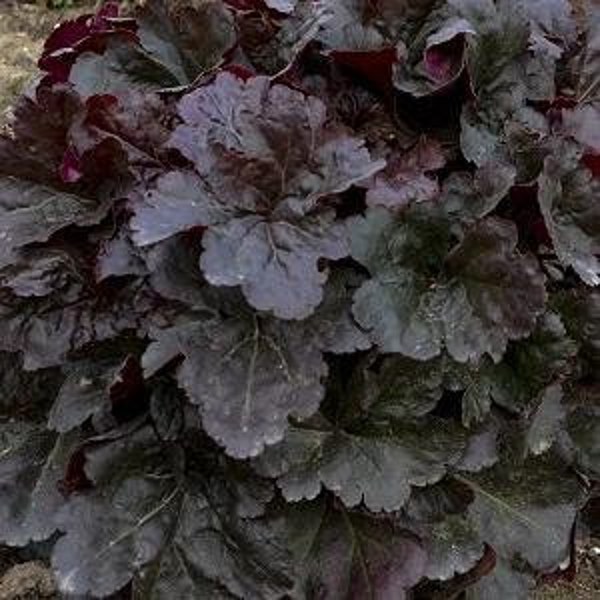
{"points": [[247, 375], [180, 201], [406, 177], [296, 299], [91, 388], [118, 257], [284, 6], [272, 44], [276, 263], [372, 463], [136, 121], [436, 62], [254, 146], [583, 124], [32, 463], [351, 556], [187, 39], [567, 196], [71, 38], [487, 284], [39, 140], [151, 529], [30, 212], [48, 330], [122, 65]]}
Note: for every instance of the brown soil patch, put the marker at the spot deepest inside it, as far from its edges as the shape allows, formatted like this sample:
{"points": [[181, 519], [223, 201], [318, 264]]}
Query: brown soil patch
{"points": [[587, 583], [27, 581]]}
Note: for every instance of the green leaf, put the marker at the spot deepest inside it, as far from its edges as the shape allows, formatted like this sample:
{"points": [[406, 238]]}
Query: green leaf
{"points": [[583, 124], [482, 449], [580, 310], [395, 308], [333, 323], [353, 26], [394, 304], [530, 367], [435, 502], [588, 84], [476, 402], [546, 356], [468, 198], [497, 296], [479, 143]]}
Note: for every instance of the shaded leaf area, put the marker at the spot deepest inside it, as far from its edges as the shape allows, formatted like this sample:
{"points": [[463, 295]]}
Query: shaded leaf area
{"points": [[41, 388], [531, 519], [176, 520], [297, 299], [50, 328], [340, 553], [33, 461], [272, 42], [531, 372], [503, 581], [92, 389], [376, 453], [568, 194]]}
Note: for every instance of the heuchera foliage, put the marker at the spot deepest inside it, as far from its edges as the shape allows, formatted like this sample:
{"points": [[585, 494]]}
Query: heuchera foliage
{"points": [[297, 299]]}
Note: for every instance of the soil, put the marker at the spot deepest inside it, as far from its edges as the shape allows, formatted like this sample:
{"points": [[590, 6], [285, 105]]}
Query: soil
{"points": [[23, 28], [586, 585], [27, 581]]}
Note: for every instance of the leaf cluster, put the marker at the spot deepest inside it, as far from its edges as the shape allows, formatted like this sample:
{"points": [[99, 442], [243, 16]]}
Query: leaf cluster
{"points": [[298, 299]]}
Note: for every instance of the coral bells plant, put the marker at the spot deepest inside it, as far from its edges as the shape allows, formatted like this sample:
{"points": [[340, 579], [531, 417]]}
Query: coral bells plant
{"points": [[297, 299]]}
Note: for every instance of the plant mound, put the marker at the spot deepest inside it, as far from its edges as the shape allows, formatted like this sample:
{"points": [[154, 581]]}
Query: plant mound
{"points": [[297, 299]]}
